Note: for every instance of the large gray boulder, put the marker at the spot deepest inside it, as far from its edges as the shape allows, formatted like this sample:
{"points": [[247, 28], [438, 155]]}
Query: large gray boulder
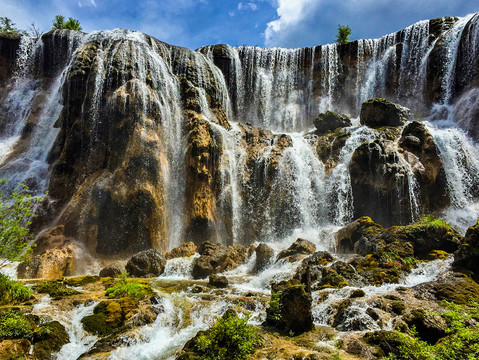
{"points": [[146, 263], [330, 121], [379, 112]]}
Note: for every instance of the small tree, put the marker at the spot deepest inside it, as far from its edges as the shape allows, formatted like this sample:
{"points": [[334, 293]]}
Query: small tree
{"points": [[7, 25], [71, 24], [16, 212], [342, 37]]}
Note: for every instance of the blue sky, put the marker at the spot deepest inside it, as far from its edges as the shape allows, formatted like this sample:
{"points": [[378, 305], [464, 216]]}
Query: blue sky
{"points": [[193, 23]]}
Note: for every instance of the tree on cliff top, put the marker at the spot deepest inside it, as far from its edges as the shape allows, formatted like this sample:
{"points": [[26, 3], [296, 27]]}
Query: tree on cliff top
{"points": [[71, 24], [342, 37], [16, 212], [7, 25]]}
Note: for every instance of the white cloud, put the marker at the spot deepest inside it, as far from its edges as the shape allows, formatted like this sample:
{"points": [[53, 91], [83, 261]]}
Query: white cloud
{"points": [[231, 13], [290, 13]]}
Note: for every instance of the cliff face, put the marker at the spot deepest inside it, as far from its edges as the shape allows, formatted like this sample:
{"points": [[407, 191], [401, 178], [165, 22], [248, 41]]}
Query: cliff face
{"points": [[142, 144]]}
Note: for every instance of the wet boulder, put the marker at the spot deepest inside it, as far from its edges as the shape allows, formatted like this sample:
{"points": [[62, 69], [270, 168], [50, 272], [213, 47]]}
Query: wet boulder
{"points": [[380, 183], [298, 250], [467, 256], [290, 308], [423, 156], [264, 255], [218, 281], [354, 237], [49, 339], [311, 268], [112, 270], [330, 121], [184, 250], [216, 258], [146, 263], [379, 112]]}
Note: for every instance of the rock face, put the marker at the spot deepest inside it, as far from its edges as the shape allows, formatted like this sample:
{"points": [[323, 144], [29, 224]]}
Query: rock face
{"points": [[330, 121], [380, 112], [142, 144], [147, 262], [467, 256]]}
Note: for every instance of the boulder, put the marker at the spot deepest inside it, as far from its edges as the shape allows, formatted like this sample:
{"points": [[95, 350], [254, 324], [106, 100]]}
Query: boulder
{"points": [[348, 238], [112, 270], [147, 262], [429, 327], [14, 349], [215, 258], [379, 112], [264, 255], [298, 250], [330, 121], [184, 250], [218, 281], [311, 268], [467, 256], [49, 338], [290, 308]]}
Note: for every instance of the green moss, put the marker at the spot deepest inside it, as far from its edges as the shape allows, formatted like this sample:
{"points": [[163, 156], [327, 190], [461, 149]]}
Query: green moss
{"points": [[14, 325], [12, 291], [398, 307], [431, 220], [56, 289], [49, 339], [81, 280], [97, 325]]}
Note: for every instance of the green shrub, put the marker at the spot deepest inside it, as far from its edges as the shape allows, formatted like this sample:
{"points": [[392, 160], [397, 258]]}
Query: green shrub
{"points": [[231, 337], [12, 291], [55, 289], [129, 287], [71, 24], [461, 342], [16, 212], [14, 325], [342, 37]]}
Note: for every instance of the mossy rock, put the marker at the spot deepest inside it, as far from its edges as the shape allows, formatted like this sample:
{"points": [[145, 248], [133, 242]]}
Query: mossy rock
{"points": [[384, 342], [460, 290], [49, 339], [398, 307], [109, 316], [81, 280], [55, 288], [331, 279]]}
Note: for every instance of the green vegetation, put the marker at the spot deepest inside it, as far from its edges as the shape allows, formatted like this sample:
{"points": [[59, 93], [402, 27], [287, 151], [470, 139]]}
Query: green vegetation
{"points": [[71, 24], [55, 289], [129, 287], [274, 310], [433, 221], [12, 291], [7, 25], [460, 343], [231, 337], [16, 212], [14, 325], [342, 37]]}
